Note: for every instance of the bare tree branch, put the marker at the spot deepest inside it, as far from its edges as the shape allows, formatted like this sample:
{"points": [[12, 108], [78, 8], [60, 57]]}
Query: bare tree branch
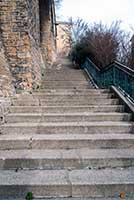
{"points": [[58, 3], [103, 44]]}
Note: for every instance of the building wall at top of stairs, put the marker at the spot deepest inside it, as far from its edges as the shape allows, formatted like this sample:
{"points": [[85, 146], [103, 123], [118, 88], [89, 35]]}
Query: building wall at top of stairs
{"points": [[21, 42]]}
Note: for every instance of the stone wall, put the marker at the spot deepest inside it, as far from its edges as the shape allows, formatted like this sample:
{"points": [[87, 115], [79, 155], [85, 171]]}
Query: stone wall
{"points": [[6, 86], [21, 24]]}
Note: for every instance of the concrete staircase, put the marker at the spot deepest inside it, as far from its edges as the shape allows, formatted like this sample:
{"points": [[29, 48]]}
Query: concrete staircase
{"points": [[67, 140]]}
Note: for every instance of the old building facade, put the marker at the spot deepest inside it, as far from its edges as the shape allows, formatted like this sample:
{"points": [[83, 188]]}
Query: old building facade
{"points": [[27, 36], [63, 38]]}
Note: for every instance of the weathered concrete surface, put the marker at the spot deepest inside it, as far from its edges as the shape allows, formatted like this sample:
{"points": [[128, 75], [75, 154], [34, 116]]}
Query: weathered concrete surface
{"points": [[72, 91], [67, 127], [66, 141], [61, 183], [70, 117], [66, 109], [81, 102], [66, 159], [74, 143]]}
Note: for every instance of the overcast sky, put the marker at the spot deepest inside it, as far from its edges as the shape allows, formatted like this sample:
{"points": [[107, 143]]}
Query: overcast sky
{"points": [[100, 10]]}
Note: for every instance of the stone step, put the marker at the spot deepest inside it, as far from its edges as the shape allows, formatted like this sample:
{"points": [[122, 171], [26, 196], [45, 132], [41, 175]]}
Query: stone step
{"points": [[66, 93], [64, 77], [66, 87], [63, 72], [52, 72], [66, 159], [71, 72], [72, 91], [64, 183], [66, 117], [64, 83], [66, 141], [66, 109], [67, 127], [128, 197], [23, 102], [77, 102], [63, 96], [53, 102]]}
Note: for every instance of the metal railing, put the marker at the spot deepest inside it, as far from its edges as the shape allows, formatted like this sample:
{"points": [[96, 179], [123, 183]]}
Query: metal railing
{"points": [[114, 74]]}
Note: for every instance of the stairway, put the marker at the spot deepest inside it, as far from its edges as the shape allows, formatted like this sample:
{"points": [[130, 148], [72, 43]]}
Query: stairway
{"points": [[67, 139]]}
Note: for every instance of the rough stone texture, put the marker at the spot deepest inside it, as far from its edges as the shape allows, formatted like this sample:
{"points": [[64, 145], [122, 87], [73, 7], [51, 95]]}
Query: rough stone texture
{"points": [[21, 61], [63, 183], [66, 141], [6, 87], [20, 36]]}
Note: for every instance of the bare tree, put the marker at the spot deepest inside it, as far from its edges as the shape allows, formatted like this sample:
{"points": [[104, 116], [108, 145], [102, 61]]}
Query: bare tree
{"points": [[132, 52], [58, 3], [124, 53], [104, 44], [78, 30]]}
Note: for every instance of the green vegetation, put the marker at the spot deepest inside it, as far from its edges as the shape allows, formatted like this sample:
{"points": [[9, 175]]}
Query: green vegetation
{"points": [[29, 196]]}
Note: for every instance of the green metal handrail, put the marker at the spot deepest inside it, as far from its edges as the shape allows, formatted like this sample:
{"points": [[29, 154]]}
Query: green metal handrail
{"points": [[114, 74]]}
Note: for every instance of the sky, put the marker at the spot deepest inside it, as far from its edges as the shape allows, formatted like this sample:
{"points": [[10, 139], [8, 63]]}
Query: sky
{"points": [[100, 10]]}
